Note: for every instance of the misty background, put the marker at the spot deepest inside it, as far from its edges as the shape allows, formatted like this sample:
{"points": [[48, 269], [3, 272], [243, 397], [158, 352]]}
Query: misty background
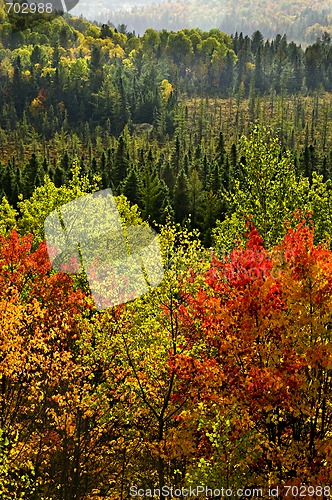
{"points": [[302, 20]]}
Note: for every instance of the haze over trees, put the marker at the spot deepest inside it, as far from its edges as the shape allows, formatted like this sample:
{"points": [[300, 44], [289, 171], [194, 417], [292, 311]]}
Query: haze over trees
{"points": [[302, 20]]}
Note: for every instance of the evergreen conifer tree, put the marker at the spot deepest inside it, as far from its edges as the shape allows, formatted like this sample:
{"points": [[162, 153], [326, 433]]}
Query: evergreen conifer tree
{"points": [[130, 186], [181, 202]]}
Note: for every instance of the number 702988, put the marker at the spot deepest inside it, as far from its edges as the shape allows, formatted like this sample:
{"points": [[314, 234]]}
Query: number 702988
{"points": [[308, 491], [29, 8]]}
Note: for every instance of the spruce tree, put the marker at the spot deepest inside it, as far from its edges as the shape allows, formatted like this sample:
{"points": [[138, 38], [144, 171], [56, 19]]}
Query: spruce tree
{"points": [[121, 162], [195, 192], [181, 203], [167, 174], [32, 176], [220, 149], [152, 193], [59, 176], [6, 181], [130, 186]]}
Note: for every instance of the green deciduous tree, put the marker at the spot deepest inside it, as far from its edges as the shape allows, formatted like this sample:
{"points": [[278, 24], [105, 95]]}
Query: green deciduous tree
{"points": [[269, 193]]}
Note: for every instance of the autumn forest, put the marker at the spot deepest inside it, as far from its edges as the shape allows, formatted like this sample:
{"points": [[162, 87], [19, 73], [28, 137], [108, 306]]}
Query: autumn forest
{"points": [[220, 377]]}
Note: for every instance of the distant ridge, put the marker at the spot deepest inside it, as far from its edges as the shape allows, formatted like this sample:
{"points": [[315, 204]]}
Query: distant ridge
{"points": [[303, 21]]}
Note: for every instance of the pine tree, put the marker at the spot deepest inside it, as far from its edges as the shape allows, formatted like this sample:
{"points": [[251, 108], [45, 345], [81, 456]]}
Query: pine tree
{"points": [[167, 174], [103, 171], [227, 76], [214, 178], [6, 181], [233, 156], [122, 120], [96, 75], [195, 192], [17, 187], [65, 162], [258, 73], [176, 155], [59, 176], [17, 95], [205, 171], [152, 193], [220, 149], [130, 186], [181, 203], [121, 162], [32, 176], [45, 167], [226, 176], [211, 209]]}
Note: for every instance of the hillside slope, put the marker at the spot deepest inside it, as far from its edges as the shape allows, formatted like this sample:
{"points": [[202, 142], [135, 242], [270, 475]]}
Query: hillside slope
{"points": [[302, 20]]}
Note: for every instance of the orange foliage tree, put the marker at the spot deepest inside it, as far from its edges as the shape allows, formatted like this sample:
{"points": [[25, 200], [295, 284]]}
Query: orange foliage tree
{"points": [[220, 376], [258, 358], [58, 398]]}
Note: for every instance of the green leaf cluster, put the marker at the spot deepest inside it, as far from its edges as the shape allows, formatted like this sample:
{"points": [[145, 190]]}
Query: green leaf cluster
{"points": [[268, 193]]}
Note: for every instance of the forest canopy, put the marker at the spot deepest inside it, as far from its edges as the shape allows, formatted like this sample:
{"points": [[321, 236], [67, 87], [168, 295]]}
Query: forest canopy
{"points": [[303, 20], [222, 374]]}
